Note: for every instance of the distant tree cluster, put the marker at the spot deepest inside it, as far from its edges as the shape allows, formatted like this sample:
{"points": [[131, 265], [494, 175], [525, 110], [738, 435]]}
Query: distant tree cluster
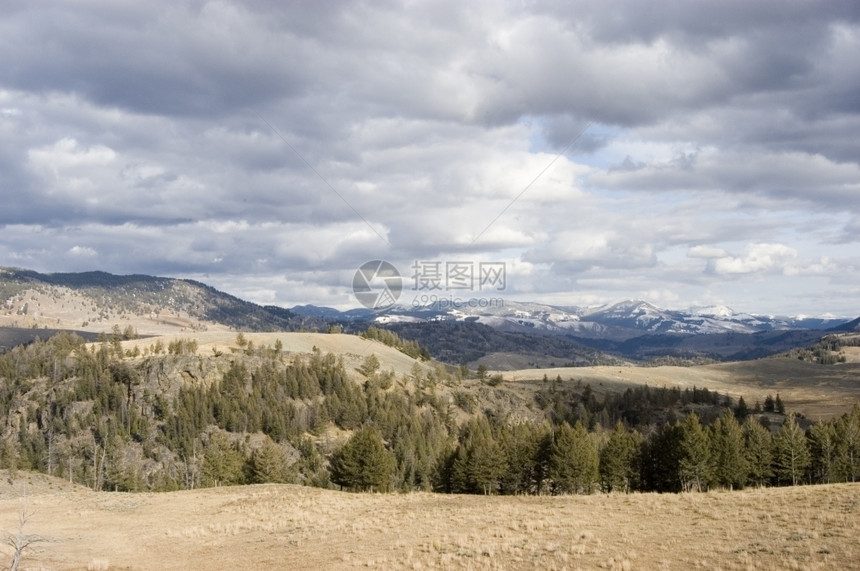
{"points": [[113, 421], [828, 351]]}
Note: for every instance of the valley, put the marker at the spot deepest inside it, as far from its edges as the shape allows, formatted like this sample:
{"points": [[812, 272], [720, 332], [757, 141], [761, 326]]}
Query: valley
{"points": [[816, 391], [184, 418]]}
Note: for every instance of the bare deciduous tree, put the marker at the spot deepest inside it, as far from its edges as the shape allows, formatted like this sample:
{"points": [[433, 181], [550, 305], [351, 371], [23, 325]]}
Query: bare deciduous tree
{"points": [[21, 541]]}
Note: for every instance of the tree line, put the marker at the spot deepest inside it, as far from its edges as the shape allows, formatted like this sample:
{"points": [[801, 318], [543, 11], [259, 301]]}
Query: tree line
{"points": [[113, 420]]}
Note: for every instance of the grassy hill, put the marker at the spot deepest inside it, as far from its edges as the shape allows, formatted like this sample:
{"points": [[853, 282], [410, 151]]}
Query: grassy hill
{"points": [[291, 527], [816, 391], [98, 301]]}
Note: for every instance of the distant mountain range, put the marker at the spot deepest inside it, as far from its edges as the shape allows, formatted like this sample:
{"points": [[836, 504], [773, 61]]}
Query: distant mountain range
{"points": [[632, 329], [520, 332], [618, 321]]}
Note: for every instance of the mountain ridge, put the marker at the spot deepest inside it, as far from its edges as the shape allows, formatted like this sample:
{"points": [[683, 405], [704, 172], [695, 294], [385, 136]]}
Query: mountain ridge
{"points": [[623, 319], [97, 302]]}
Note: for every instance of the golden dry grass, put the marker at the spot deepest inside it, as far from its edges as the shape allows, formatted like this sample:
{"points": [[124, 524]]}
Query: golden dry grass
{"points": [[289, 527], [352, 348], [63, 308], [817, 391]]}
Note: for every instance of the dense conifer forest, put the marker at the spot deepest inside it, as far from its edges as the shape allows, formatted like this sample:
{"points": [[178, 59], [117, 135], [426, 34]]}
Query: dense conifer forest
{"points": [[132, 420]]}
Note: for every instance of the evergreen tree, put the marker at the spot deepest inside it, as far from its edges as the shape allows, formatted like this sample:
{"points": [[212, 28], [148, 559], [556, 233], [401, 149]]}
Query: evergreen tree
{"points": [[660, 459], [523, 445], [488, 465], [311, 465], [759, 452], [269, 464], [619, 460], [222, 461], [791, 452], [695, 463], [482, 372], [363, 463], [574, 462], [123, 466], [742, 411], [416, 445], [779, 405], [822, 448], [479, 462], [370, 365], [848, 446], [727, 448]]}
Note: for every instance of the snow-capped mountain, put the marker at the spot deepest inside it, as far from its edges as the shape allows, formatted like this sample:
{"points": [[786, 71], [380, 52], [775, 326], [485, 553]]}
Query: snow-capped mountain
{"points": [[642, 316], [625, 319]]}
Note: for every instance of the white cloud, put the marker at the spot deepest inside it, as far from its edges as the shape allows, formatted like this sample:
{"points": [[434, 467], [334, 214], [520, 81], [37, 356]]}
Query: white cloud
{"points": [[66, 154], [721, 133], [707, 252], [761, 257], [82, 252]]}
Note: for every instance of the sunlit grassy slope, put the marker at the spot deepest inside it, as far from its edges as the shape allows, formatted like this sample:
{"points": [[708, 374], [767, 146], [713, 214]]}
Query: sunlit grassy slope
{"points": [[289, 527]]}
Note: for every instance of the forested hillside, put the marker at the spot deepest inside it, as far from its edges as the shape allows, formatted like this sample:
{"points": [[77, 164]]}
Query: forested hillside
{"points": [[169, 417], [464, 342]]}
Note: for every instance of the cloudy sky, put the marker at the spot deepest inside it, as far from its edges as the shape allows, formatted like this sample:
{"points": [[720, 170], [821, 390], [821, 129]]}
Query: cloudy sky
{"points": [[686, 153]]}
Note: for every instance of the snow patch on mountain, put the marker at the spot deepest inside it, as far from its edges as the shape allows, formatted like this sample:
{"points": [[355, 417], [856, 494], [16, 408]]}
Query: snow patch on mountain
{"points": [[625, 319]]}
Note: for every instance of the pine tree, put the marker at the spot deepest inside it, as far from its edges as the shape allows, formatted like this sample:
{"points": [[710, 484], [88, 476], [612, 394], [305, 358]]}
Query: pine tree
{"points": [[488, 465], [660, 459], [822, 447], [759, 452], [727, 448], [574, 462], [370, 365], [123, 466], [791, 452], [848, 446], [779, 405], [521, 443], [479, 462], [363, 463], [618, 460], [269, 464], [222, 461], [742, 411], [695, 464]]}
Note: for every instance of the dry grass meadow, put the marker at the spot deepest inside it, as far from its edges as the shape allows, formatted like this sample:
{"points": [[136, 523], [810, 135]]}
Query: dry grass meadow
{"points": [[816, 391], [290, 527]]}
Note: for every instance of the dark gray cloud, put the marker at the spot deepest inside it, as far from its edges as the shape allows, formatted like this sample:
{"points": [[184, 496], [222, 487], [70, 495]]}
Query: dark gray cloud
{"points": [[272, 147]]}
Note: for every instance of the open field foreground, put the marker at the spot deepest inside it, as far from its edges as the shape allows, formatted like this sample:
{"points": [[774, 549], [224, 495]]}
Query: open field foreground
{"points": [[290, 527]]}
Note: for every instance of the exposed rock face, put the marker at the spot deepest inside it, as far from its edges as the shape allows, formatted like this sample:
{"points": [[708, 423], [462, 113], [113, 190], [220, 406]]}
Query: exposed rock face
{"points": [[166, 374]]}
